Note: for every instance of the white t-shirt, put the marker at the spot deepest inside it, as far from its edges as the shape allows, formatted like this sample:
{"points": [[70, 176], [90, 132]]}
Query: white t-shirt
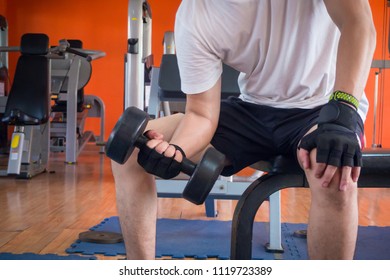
{"points": [[285, 50]]}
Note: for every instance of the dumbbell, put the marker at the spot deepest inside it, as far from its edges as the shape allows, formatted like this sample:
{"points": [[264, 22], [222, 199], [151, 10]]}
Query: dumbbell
{"points": [[128, 134]]}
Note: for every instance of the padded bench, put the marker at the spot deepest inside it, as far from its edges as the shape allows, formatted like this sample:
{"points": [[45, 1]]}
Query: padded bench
{"points": [[285, 173]]}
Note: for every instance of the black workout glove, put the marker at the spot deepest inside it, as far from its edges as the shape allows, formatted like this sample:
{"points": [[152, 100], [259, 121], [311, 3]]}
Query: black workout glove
{"points": [[157, 164], [336, 138]]}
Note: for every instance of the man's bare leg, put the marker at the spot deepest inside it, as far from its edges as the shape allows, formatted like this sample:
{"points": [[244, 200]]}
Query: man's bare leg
{"points": [[333, 218], [136, 197]]}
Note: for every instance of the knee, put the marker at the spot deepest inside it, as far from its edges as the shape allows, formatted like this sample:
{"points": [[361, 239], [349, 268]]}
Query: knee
{"points": [[127, 171], [131, 181], [332, 197]]}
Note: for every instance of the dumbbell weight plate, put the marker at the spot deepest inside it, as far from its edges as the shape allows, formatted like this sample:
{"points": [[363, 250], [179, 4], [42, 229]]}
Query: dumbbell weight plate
{"points": [[204, 177], [127, 130], [101, 237]]}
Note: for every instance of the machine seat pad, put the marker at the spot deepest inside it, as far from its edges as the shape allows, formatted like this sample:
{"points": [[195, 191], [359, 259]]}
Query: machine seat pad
{"points": [[28, 101]]}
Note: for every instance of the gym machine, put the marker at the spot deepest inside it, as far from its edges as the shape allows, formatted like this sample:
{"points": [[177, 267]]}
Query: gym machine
{"points": [[138, 49], [71, 71], [159, 104], [28, 107]]}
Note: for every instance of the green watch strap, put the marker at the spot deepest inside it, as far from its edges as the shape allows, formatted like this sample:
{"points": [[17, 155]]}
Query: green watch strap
{"points": [[344, 97]]}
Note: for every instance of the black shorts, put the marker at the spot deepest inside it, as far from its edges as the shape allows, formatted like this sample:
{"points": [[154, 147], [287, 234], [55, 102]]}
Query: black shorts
{"points": [[248, 133]]}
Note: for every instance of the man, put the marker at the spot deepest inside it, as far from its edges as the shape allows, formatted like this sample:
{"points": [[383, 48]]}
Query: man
{"points": [[294, 56]]}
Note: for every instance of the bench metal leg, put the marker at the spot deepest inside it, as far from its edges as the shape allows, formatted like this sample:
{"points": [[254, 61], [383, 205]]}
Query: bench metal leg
{"points": [[211, 211], [248, 205], [275, 231]]}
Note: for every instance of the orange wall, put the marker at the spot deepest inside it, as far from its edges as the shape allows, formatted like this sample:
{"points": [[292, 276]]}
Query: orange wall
{"points": [[3, 7], [104, 27]]}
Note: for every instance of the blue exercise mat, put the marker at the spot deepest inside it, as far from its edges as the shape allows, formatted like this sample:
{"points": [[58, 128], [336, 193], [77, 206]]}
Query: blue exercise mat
{"points": [[211, 239], [32, 256]]}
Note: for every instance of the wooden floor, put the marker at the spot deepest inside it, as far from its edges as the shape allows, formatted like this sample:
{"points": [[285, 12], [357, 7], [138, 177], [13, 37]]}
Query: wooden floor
{"points": [[45, 214]]}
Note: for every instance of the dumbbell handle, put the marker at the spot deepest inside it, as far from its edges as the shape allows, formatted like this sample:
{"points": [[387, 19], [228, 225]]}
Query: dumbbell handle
{"points": [[186, 166]]}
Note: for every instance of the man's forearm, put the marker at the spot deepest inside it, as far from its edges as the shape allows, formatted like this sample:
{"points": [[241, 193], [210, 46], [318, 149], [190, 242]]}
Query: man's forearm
{"points": [[355, 52], [194, 133], [200, 121], [356, 45]]}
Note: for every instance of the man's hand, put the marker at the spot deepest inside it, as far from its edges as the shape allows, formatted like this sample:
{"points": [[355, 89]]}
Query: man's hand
{"points": [[160, 158], [337, 143]]}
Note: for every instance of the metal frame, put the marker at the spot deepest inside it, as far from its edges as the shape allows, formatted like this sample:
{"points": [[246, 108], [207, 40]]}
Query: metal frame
{"points": [[74, 143], [380, 65], [138, 49]]}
